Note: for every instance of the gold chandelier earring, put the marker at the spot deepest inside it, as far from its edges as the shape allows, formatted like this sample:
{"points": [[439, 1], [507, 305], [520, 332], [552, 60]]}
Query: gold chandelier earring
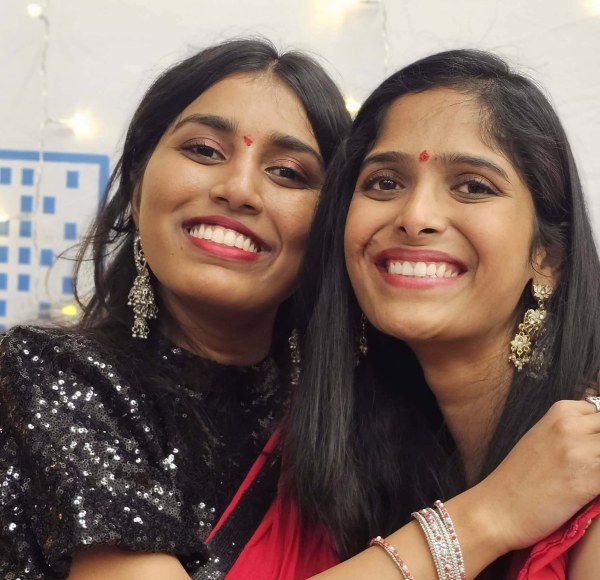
{"points": [[533, 322]]}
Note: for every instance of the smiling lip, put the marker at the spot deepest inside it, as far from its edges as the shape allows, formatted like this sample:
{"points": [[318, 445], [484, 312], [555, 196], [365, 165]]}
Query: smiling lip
{"points": [[248, 252], [409, 268]]}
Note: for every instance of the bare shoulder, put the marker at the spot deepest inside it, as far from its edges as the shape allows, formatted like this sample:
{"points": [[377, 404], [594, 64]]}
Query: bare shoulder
{"points": [[108, 562], [584, 557]]}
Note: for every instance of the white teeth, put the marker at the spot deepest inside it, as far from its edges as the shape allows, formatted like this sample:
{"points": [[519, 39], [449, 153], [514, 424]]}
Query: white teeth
{"points": [[224, 236], [421, 269], [218, 235], [229, 239]]}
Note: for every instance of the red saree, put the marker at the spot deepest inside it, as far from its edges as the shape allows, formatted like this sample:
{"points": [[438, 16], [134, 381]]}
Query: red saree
{"points": [[279, 549]]}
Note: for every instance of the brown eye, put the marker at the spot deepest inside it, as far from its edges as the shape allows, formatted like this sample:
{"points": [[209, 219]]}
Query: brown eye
{"points": [[385, 184], [288, 177], [476, 187], [203, 151]]}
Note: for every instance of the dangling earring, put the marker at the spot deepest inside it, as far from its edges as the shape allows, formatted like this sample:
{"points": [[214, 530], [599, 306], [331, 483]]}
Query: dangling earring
{"points": [[533, 322], [363, 347], [141, 295], [295, 356]]}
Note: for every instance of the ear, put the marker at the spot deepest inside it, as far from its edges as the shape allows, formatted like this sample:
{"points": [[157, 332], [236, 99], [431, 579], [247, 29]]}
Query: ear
{"points": [[546, 266], [134, 202]]}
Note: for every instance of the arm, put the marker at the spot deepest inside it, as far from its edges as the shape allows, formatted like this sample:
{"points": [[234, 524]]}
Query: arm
{"points": [[527, 497], [102, 563]]}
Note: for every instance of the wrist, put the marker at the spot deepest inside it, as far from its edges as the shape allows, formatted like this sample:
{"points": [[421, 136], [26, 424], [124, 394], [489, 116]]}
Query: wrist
{"points": [[479, 527]]}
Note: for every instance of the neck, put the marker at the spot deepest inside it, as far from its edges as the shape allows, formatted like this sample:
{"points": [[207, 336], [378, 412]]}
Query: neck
{"points": [[470, 383], [219, 334]]}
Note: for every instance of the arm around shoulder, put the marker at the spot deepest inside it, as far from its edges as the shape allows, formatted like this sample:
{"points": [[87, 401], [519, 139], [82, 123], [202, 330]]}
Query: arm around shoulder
{"points": [[106, 562]]}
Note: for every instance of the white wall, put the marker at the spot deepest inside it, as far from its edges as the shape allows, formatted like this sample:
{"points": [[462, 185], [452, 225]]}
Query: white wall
{"points": [[100, 56]]}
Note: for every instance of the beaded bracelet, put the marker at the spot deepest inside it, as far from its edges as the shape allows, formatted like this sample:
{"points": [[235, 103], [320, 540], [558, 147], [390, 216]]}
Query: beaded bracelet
{"points": [[435, 541], [394, 555], [443, 542], [449, 524]]}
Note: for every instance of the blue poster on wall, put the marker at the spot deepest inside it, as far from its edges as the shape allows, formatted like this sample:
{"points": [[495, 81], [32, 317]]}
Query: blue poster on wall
{"points": [[46, 203]]}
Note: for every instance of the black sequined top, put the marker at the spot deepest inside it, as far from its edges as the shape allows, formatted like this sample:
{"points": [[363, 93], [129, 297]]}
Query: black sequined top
{"points": [[141, 449]]}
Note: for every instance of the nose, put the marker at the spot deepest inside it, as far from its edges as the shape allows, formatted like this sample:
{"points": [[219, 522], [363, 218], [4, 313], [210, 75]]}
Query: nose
{"points": [[238, 187], [421, 214]]}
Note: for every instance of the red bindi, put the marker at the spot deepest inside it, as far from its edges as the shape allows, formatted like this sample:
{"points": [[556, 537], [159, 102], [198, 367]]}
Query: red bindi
{"points": [[247, 140], [424, 155]]}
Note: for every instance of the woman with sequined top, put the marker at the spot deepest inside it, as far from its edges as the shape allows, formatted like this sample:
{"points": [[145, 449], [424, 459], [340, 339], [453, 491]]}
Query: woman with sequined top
{"points": [[141, 442]]}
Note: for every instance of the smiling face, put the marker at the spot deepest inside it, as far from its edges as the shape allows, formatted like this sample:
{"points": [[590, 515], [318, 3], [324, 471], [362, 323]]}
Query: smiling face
{"points": [[439, 233], [225, 202]]}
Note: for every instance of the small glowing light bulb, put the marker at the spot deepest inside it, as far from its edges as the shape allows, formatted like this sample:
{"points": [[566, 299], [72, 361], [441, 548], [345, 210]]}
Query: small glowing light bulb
{"points": [[69, 310], [352, 105], [34, 10], [82, 124], [331, 13]]}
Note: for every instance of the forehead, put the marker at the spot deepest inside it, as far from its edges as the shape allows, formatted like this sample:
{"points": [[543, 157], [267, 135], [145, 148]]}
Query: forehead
{"points": [[438, 118], [256, 104]]}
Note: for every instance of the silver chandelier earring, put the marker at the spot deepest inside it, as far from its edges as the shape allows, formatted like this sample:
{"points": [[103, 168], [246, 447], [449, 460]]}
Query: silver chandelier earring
{"points": [[532, 325], [141, 295]]}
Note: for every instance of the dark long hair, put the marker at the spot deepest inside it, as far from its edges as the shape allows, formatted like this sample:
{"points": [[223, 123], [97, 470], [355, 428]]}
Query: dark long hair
{"points": [[367, 445], [109, 243]]}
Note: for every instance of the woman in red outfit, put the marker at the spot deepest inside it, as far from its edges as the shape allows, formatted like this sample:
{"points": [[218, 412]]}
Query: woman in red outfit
{"points": [[472, 282]]}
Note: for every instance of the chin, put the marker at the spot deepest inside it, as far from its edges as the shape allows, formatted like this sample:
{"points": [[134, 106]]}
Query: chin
{"points": [[407, 329]]}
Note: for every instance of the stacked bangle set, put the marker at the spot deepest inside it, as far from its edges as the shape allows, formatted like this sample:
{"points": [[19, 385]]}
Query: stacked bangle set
{"points": [[442, 540]]}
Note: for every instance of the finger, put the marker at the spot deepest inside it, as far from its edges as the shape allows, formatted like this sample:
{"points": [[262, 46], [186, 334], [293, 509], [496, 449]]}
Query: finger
{"points": [[568, 408]]}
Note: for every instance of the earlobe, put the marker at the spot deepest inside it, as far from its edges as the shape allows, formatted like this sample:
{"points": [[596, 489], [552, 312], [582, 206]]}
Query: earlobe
{"points": [[547, 266]]}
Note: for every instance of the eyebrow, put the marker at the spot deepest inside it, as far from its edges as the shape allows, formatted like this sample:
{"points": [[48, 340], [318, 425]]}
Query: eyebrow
{"points": [[294, 144], [446, 158], [213, 121]]}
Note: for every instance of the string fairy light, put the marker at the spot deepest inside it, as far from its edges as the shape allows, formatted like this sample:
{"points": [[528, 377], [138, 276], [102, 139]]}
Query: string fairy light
{"points": [[82, 124], [352, 105]]}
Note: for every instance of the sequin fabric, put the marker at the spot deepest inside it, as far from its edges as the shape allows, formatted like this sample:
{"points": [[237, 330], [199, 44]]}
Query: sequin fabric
{"points": [[92, 451]]}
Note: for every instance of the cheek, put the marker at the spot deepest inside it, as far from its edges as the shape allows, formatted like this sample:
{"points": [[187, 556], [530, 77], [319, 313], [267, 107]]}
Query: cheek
{"points": [[358, 231], [294, 221]]}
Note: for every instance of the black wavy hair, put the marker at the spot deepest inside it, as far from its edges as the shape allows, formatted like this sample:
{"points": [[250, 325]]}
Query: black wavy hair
{"points": [[365, 446]]}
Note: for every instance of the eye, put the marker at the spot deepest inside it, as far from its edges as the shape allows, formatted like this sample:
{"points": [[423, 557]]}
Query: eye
{"points": [[203, 151], [476, 187], [381, 184], [289, 177]]}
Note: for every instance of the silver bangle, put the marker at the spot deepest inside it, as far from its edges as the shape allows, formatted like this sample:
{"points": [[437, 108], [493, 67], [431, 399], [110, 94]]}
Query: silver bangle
{"points": [[443, 543]]}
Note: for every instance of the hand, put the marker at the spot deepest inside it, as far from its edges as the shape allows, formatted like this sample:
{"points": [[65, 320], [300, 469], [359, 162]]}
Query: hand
{"points": [[548, 476]]}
